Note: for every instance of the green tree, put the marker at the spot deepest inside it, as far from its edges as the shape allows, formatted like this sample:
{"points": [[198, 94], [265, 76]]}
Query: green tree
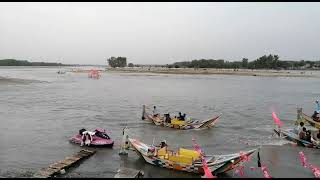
{"points": [[244, 62], [130, 65], [117, 62]]}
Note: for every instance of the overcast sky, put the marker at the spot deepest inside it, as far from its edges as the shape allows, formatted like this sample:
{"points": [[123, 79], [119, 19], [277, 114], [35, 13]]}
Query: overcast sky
{"points": [[158, 33]]}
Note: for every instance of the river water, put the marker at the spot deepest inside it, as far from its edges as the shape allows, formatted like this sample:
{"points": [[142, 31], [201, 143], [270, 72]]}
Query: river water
{"points": [[41, 109]]}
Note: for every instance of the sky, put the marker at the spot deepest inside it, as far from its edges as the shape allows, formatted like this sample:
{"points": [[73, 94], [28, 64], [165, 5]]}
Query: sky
{"points": [[158, 32]]}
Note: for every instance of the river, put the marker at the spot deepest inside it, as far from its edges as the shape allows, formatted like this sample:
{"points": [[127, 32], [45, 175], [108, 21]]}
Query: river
{"points": [[41, 109]]}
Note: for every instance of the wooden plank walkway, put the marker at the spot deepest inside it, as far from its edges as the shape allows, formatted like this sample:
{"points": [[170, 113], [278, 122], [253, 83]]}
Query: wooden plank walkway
{"points": [[55, 168], [129, 173]]}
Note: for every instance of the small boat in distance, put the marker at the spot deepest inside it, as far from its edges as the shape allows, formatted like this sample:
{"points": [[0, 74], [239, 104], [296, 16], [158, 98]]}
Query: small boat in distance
{"points": [[94, 74], [179, 124]]}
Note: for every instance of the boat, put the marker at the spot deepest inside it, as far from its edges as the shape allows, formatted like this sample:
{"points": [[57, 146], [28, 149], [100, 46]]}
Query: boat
{"points": [[99, 139], [179, 124], [61, 72], [185, 159], [305, 118], [290, 135], [94, 74]]}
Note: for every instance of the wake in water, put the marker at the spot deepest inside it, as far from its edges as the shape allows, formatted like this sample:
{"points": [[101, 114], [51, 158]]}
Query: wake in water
{"points": [[8, 80]]}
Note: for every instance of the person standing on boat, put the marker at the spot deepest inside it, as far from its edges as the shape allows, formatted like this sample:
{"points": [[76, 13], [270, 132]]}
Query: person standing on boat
{"points": [[155, 111], [298, 129], [318, 106]]}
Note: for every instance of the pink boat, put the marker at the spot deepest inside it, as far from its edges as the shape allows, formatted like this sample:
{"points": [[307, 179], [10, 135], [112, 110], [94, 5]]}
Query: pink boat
{"points": [[99, 138]]}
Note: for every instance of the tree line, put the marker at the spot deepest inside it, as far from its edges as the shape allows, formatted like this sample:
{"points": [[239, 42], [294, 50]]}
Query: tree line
{"points": [[13, 62], [263, 62]]}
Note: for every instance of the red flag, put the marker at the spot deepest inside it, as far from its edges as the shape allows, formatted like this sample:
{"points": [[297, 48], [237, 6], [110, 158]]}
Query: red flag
{"points": [[276, 119]]}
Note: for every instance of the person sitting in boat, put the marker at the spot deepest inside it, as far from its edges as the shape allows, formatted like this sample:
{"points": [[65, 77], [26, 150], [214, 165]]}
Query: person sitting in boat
{"points": [[167, 118], [181, 117], [87, 138], [155, 111], [298, 129], [315, 116], [151, 151], [302, 134], [308, 136], [101, 133], [163, 144]]}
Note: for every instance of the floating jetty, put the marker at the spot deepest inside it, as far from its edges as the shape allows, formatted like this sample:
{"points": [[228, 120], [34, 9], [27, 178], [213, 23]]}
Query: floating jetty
{"points": [[60, 166], [129, 173]]}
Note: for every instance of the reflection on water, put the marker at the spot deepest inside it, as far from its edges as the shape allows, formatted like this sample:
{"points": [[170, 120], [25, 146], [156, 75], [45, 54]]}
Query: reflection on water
{"points": [[38, 118]]}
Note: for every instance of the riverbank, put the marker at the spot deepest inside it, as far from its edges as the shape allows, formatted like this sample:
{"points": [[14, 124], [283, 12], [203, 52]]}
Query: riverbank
{"points": [[238, 72]]}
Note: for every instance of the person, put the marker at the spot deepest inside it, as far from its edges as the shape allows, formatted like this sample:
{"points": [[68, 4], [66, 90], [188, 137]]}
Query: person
{"points": [[151, 151], [181, 117], [308, 136], [315, 116], [318, 106], [163, 144], [155, 111], [315, 139], [298, 128], [167, 118], [302, 134], [101, 133], [184, 117], [87, 138]]}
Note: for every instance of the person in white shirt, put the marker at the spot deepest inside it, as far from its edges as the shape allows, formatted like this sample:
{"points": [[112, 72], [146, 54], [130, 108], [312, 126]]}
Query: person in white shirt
{"points": [[298, 128], [155, 111], [87, 138]]}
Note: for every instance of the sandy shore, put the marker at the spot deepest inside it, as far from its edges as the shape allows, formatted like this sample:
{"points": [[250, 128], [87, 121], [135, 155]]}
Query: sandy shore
{"points": [[239, 72]]}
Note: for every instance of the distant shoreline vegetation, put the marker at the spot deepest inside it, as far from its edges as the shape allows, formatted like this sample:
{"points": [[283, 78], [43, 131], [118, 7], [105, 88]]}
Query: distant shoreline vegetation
{"points": [[264, 62], [14, 62]]}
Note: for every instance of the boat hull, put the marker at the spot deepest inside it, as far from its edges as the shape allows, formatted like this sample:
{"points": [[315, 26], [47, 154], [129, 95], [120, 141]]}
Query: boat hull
{"points": [[293, 137], [96, 142], [216, 163]]}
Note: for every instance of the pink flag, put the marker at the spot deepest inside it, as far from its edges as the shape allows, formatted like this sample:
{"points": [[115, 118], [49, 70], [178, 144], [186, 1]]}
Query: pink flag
{"points": [[276, 119], [303, 159], [265, 171], [316, 171], [207, 171]]}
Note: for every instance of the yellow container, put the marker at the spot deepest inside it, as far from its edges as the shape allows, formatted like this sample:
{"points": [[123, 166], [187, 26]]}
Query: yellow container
{"points": [[189, 153], [177, 122], [181, 159]]}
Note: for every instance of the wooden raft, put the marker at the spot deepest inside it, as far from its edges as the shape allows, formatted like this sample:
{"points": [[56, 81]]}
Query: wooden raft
{"points": [[55, 168], [129, 173]]}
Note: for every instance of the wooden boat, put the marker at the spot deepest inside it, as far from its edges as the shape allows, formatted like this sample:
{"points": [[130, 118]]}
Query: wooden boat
{"points": [[305, 118], [178, 124], [186, 159], [293, 137]]}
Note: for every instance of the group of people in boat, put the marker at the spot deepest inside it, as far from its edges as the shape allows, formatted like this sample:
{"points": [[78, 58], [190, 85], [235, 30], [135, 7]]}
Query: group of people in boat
{"points": [[167, 117], [307, 135]]}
